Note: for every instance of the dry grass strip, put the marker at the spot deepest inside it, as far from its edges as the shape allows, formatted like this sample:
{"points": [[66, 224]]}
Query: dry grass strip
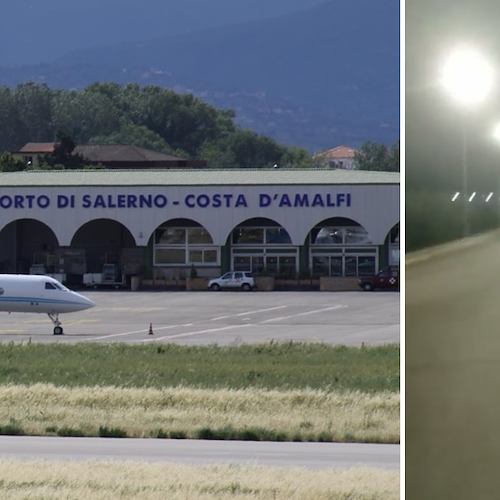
{"points": [[303, 414], [42, 480]]}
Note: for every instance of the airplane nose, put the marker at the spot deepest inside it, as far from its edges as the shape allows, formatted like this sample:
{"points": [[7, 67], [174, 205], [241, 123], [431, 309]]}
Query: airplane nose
{"points": [[84, 301], [90, 302]]}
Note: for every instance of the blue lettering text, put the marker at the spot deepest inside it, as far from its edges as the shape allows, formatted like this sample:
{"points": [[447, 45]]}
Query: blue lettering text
{"points": [[62, 201], [264, 200], [285, 201], [5, 201], [241, 201], [301, 201], [132, 201], [203, 201], [86, 201], [43, 201], [317, 201], [160, 201]]}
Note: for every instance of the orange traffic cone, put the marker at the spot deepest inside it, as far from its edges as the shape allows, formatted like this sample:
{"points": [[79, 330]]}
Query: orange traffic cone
{"points": [[150, 328]]}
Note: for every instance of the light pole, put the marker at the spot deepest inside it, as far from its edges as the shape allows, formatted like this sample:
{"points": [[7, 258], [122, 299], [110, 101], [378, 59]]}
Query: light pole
{"points": [[496, 136], [467, 77]]}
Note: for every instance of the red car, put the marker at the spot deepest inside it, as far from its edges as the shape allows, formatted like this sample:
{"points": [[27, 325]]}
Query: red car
{"points": [[387, 279]]}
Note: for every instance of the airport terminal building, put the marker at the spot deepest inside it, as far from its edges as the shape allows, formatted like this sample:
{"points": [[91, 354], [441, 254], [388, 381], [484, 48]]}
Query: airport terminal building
{"points": [[158, 224]]}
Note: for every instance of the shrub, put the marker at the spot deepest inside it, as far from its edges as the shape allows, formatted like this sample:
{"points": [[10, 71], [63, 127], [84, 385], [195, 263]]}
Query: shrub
{"points": [[205, 433], [69, 432], [113, 432], [11, 430], [178, 435], [193, 272], [159, 434]]}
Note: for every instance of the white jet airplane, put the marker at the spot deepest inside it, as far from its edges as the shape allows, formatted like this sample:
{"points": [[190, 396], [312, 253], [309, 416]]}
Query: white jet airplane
{"points": [[40, 294]]}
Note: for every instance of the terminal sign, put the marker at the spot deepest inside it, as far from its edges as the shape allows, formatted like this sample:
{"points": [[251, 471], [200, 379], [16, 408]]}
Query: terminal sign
{"points": [[134, 201]]}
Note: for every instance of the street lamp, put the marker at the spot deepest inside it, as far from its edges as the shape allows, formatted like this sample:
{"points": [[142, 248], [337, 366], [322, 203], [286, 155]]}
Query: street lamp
{"points": [[496, 136], [468, 78]]}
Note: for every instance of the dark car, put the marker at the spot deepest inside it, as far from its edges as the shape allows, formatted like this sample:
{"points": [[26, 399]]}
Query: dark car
{"points": [[387, 279]]}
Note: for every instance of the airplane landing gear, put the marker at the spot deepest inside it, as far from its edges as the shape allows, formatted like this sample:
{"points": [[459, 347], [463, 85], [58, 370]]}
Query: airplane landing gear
{"points": [[54, 317]]}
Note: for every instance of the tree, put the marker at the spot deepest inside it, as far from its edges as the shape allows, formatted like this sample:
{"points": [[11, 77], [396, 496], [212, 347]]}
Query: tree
{"points": [[217, 155], [11, 126], [34, 106], [8, 163], [140, 136], [181, 120], [393, 161], [151, 117], [374, 156], [294, 157], [63, 154]]}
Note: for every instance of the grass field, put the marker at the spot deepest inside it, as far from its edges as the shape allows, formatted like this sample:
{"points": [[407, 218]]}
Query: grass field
{"points": [[281, 366], [287, 391], [136, 480], [280, 392], [183, 412]]}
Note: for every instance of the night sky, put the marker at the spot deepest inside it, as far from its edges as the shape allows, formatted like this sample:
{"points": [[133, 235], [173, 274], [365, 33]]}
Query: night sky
{"points": [[434, 122]]}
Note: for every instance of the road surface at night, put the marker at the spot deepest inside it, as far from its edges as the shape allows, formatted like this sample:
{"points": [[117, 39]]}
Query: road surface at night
{"points": [[452, 372]]}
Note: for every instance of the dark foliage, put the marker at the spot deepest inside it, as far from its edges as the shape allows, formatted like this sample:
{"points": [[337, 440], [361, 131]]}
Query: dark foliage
{"points": [[63, 154], [151, 117]]}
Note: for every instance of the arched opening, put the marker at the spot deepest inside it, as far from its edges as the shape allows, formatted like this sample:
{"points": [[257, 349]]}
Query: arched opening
{"points": [[179, 244], [341, 247], [393, 257], [263, 247], [28, 246], [103, 251]]}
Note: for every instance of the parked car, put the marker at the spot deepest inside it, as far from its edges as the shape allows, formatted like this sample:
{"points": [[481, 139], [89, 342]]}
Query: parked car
{"points": [[387, 279], [233, 280]]}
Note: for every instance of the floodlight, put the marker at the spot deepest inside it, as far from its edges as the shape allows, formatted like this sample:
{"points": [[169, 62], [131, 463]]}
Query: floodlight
{"points": [[467, 76]]}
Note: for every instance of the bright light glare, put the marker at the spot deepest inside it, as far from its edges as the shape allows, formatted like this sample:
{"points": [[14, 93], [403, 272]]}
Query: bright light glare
{"points": [[496, 132], [472, 196], [467, 76], [488, 198], [456, 195]]}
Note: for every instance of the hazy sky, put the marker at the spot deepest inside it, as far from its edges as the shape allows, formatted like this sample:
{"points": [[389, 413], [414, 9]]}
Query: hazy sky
{"points": [[41, 30]]}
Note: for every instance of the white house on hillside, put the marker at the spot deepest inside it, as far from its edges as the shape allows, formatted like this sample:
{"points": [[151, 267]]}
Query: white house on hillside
{"points": [[339, 157]]}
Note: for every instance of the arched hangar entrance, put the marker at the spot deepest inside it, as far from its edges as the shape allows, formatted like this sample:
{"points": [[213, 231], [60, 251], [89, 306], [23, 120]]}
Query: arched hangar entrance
{"points": [[341, 247], [103, 251], [393, 257], [262, 246], [28, 246]]}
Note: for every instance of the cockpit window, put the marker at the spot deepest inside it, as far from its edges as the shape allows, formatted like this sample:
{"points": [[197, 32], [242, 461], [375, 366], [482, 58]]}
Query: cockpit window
{"points": [[55, 285]]}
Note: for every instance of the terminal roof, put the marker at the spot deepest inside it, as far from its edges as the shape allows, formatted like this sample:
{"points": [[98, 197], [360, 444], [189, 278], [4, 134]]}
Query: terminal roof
{"points": [[201, 177]]}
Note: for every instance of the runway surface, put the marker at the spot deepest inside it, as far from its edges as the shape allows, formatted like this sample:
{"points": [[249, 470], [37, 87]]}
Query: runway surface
{"points": [[224, 318], [196, 452], [452, 378]]}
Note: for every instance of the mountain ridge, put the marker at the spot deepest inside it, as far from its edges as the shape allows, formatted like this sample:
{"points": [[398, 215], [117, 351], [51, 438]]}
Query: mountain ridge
{"points": [[101, 22], [294, 71]]}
